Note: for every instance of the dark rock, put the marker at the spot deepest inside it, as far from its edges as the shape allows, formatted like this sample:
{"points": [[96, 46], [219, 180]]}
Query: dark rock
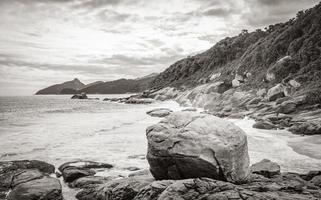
{"points": [[255, 101], [26, 175], [77, 169], [307, 128], [132, 168], [309, 176], [159, 112], [71, 174], [84, 165], [80, 96], [189, 144], [46, 188], [119, 189], [90, 181], [266, 168], [190, 109], [264, 125]]}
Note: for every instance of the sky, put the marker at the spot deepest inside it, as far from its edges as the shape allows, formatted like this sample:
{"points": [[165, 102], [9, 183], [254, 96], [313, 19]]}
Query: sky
{"points": [[43, 42]]}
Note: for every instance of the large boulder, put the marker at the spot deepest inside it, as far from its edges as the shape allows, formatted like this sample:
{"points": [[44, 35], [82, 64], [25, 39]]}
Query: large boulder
{"points": [[159, 112], [191, 145], [266, 168]]}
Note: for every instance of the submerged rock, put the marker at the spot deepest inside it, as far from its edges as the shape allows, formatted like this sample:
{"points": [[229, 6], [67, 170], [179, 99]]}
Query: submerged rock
{"points": [[266, 168], [191, 145], [159, 112]]}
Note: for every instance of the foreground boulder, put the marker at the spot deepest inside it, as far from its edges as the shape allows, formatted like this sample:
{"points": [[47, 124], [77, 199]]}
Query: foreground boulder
{"points": [[28, 179], [191, 145], [77, 169], [159, 112], [266, 168]]}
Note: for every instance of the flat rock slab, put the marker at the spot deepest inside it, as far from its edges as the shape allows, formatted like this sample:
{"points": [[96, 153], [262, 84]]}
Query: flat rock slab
{"points": [[159, 112], [46, 188], [77, 169]]}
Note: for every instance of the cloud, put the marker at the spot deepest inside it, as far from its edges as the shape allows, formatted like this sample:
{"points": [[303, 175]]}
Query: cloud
{"points": [[49, 41]]}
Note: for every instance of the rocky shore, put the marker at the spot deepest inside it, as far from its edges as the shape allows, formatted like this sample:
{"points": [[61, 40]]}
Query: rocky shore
{"points": [[191, 156]]}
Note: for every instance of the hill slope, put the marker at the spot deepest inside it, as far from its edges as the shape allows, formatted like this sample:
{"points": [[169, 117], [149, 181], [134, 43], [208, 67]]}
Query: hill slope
{"points": [[120, 86], [57, 88], [256, 54]]}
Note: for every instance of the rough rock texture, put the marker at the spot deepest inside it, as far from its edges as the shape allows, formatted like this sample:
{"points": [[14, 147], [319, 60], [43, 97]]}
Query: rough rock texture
{"points": [[159, 112], [46, 188], [119, 189], [307, 128], [77, 169], [266, 168], [190, 145], [26, 179], [287, 186]]}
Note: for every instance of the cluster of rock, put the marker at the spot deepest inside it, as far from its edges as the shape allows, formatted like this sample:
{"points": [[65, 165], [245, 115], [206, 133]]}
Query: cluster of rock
{"points": [[131, 100], [198, 156], [28, 180], [277, 107]]}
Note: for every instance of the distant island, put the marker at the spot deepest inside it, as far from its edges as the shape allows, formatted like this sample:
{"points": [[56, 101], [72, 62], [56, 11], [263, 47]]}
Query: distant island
{"points": [[120, 86]]}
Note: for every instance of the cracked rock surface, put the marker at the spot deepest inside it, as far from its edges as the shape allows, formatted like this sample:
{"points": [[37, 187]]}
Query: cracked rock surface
{"points": [[191, 145]]}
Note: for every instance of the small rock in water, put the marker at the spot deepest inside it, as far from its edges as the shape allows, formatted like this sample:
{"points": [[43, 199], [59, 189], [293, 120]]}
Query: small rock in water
{"points": [[264, 125], [266, 168], [159, 112], [80, 96]]}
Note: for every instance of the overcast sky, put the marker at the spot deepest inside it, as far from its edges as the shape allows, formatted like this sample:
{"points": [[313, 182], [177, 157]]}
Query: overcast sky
{"points": [[43, 42]]}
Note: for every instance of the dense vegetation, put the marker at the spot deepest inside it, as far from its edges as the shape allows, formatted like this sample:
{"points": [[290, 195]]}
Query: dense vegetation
{"points": [[257, 53]]}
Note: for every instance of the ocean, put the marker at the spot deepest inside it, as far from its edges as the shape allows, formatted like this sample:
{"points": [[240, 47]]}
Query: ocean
{"points": [[58, 129]]}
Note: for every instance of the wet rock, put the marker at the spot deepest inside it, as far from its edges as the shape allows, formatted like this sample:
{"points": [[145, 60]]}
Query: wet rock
{"points": [[275, 92], [144, 172], [24, 176], [132, 168], [46, 188], [264, 125], [190, 145], [159, 112], [71, 174], [120, 189], [307, 128], [80, 96], [74, 170], [266, 168], [90, 181]]}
